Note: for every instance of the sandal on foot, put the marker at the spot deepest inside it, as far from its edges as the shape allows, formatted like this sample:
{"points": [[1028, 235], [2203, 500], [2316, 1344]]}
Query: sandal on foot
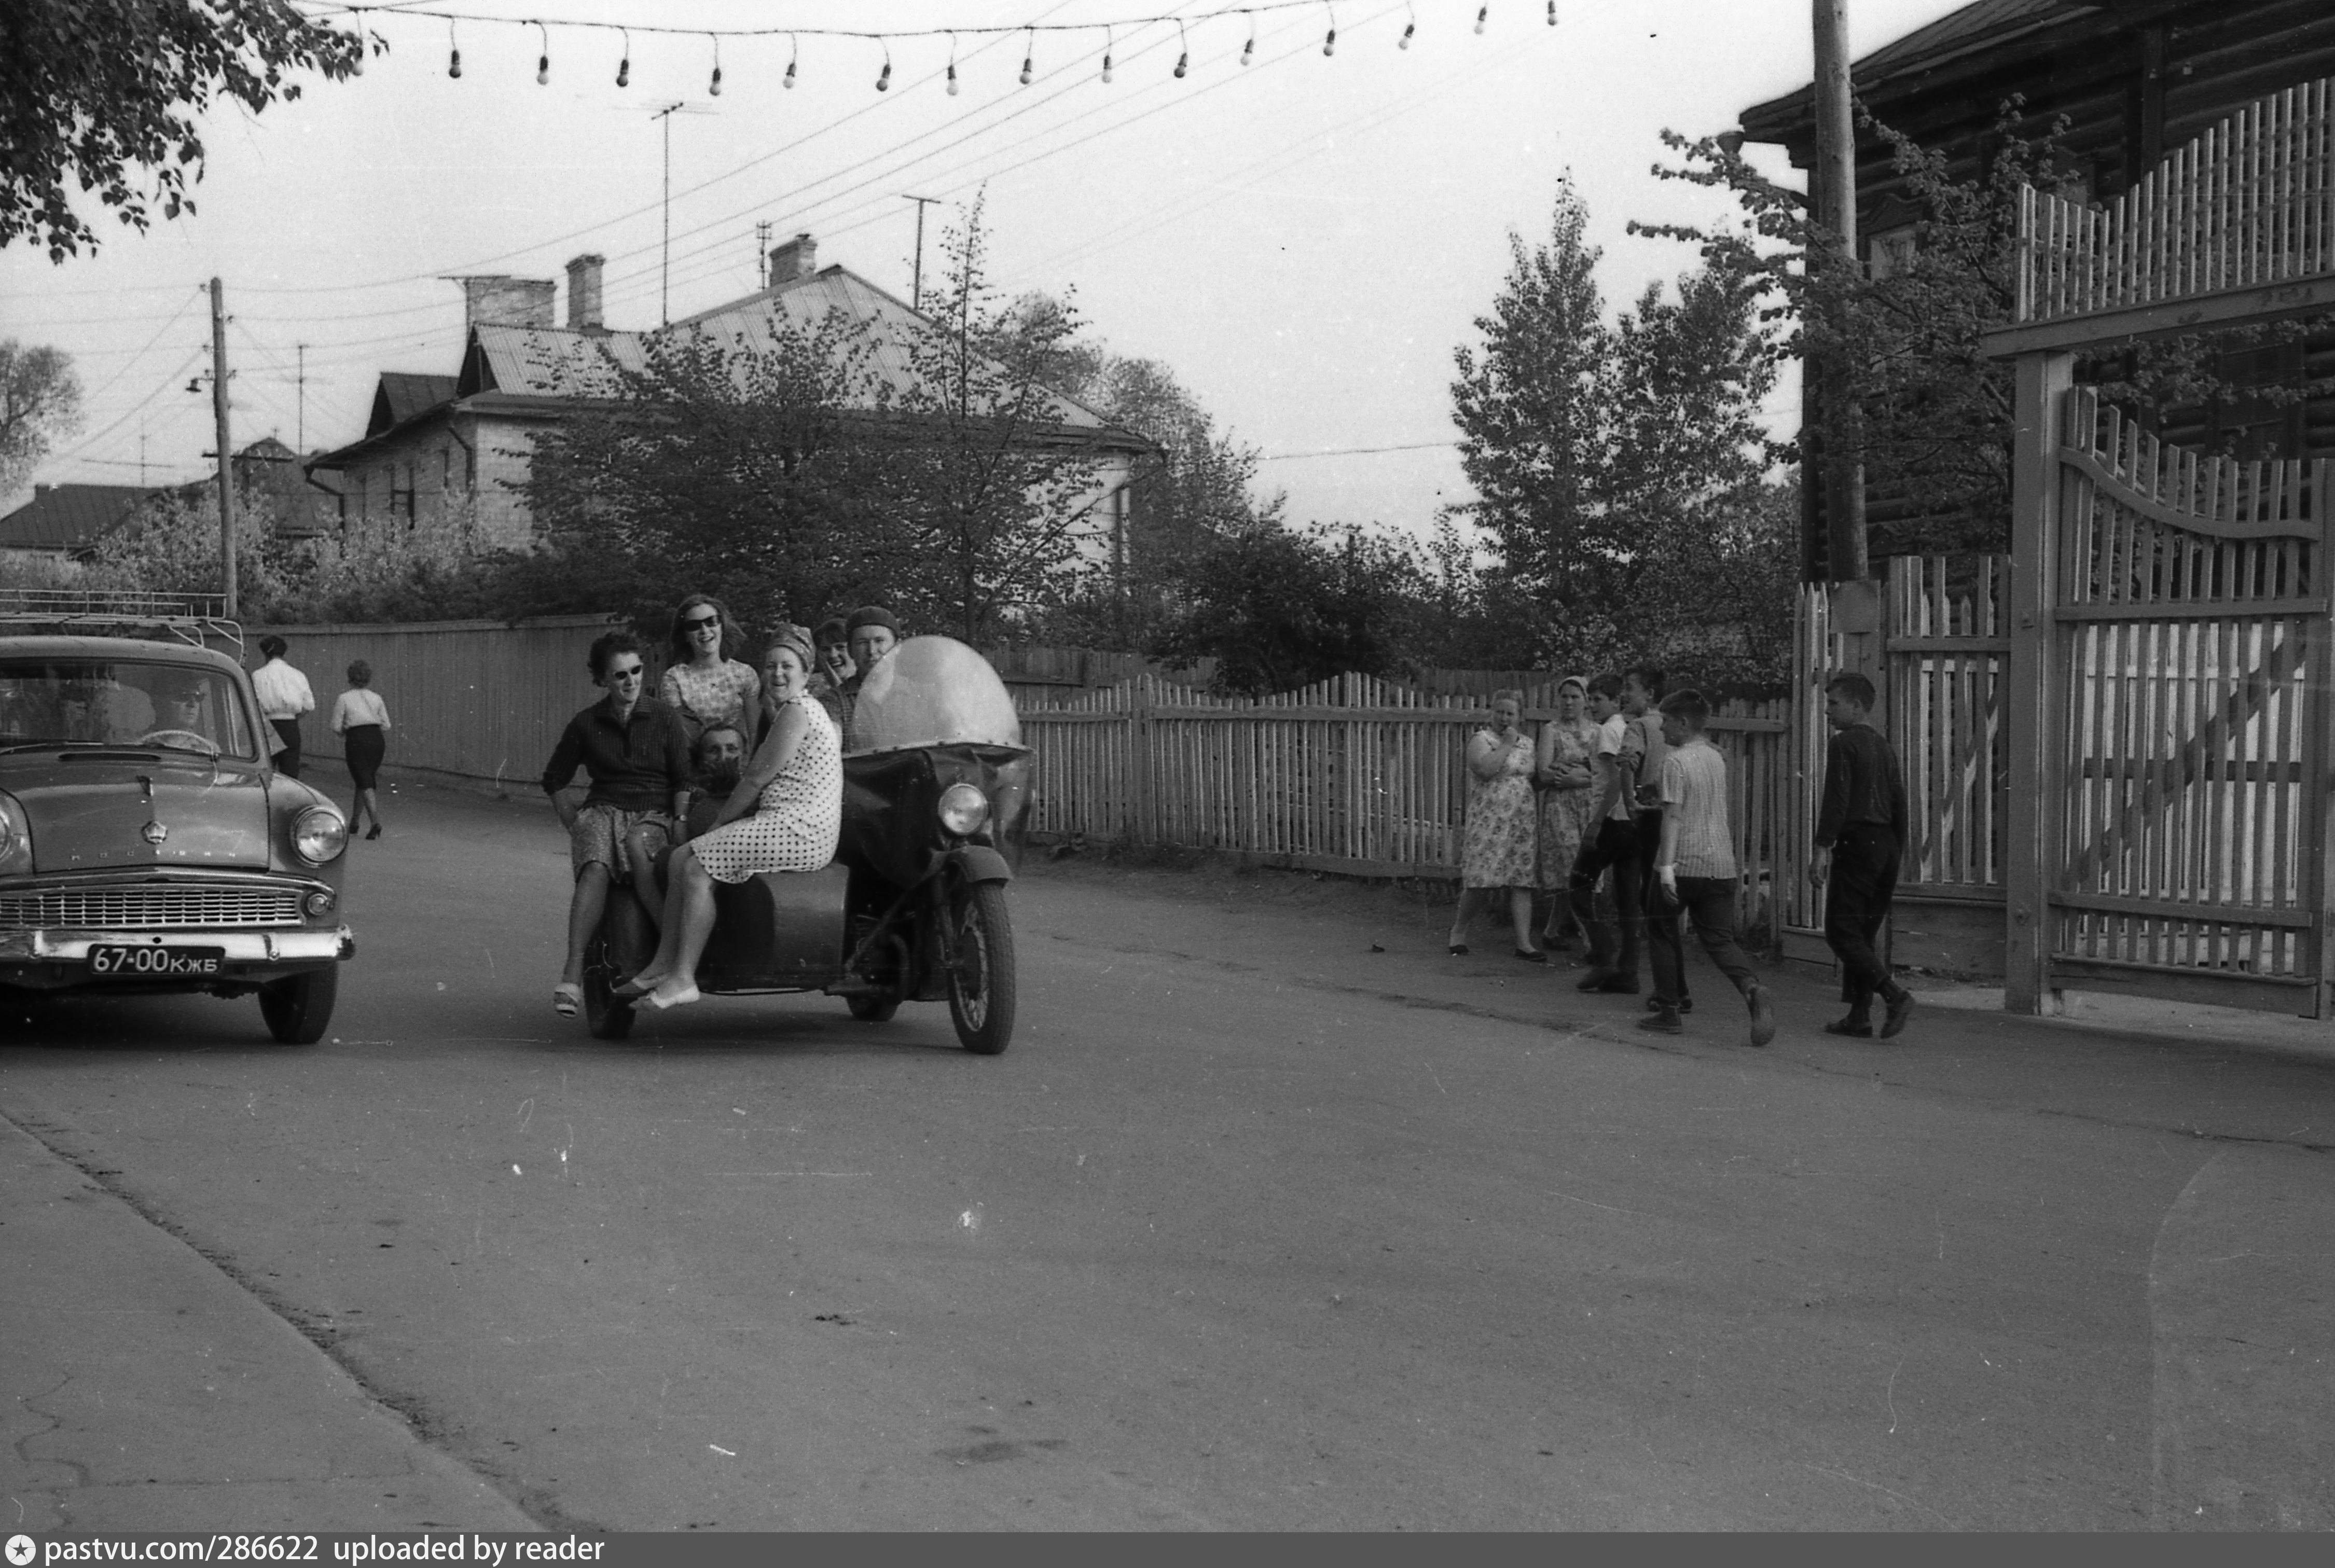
{"points": [[567, 999], [660, 999], [630, 990]]}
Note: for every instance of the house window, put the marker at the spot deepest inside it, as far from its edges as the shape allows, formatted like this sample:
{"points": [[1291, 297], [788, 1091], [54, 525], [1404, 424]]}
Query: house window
{"points": [[1890, 252], [401, 499]]}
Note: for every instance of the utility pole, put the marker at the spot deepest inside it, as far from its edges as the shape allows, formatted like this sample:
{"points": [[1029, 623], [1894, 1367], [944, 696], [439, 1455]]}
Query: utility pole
{"points": [[301, 441], [1842, 473], [226, 450], [763, 254], [916, 291], [665, 281]]}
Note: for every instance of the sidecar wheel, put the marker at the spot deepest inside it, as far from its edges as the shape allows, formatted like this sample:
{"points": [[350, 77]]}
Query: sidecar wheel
{"points": [[981, 968], [604, 1015]]}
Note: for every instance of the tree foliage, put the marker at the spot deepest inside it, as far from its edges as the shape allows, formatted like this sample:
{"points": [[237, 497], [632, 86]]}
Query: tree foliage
{"points": [[40, 405], [105, 95], [1618, 467]]}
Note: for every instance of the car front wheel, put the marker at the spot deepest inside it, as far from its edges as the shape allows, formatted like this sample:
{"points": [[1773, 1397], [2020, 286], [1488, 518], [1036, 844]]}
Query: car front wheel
{"points": [[299, 1010]]}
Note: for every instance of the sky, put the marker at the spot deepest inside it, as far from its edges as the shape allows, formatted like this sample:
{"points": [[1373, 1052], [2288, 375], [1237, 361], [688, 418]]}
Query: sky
{"points": [[1304, 241]]}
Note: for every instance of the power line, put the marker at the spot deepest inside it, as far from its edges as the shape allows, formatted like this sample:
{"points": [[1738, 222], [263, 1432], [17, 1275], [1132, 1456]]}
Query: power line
{"points": [[1357, 451]]}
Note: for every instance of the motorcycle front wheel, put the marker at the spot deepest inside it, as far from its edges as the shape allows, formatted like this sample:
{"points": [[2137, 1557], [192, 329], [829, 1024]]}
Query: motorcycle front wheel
{"points": [[981, 968]]}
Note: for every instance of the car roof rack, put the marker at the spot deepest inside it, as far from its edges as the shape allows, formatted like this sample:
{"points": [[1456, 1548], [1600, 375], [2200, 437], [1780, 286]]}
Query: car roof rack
{"points": [[197, 620]]}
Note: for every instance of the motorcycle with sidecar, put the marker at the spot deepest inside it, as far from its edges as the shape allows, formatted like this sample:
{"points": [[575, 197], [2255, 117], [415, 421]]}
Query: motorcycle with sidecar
{"points": [[936, 803]]}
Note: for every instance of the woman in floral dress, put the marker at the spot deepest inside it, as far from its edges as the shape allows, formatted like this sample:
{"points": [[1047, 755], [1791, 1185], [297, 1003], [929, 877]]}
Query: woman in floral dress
{"points": [[703, 685], [1498, 850], [1565, 769], [785, 815]]}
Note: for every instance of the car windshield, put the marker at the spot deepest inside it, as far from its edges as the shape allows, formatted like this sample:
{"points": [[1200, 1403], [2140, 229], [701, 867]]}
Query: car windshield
{"points": [[121, 702]]}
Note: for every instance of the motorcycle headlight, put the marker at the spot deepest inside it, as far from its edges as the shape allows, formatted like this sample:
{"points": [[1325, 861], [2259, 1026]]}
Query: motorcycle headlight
{"points": [[318, 835], [963, 810], [16, 836]]}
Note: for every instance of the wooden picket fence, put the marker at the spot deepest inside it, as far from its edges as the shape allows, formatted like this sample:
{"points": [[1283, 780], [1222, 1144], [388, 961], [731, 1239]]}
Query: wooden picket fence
{"points": [[1354, 775], [2250, 202]]}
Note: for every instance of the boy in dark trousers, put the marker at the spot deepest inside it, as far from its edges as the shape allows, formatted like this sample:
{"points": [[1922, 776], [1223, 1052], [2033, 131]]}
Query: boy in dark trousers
{"points": [[1860, 834]]}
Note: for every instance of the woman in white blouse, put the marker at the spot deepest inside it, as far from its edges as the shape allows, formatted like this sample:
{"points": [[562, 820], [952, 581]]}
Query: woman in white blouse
{"points": [[361, 719], [703, 683]]}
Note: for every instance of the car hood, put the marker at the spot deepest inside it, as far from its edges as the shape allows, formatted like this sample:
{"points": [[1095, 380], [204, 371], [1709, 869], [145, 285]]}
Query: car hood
{"points": [[88, 814]]}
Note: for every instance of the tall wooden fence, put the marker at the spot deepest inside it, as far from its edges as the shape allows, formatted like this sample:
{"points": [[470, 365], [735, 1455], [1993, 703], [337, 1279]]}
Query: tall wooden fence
{"points": [[478, 700], [1354, 775]]}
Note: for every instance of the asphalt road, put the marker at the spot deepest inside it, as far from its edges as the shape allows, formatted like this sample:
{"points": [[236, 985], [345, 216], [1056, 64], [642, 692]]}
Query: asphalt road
{"points": [[1253, 1227]]}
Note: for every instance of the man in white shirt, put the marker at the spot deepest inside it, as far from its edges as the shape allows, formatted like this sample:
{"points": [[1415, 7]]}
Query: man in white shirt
{"points": [[283, 695]]}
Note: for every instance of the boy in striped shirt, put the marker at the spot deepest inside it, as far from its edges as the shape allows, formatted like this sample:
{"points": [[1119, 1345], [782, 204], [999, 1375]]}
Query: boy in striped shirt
{"points": [[1695, 872]]}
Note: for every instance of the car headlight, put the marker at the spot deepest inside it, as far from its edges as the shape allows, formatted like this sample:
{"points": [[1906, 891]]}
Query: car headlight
{"points": [[318, 835], [16, 836], [963, 810]]}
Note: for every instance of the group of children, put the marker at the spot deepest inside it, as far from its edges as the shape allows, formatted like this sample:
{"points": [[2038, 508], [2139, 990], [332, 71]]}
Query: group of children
{"points": [[1661, 829]]}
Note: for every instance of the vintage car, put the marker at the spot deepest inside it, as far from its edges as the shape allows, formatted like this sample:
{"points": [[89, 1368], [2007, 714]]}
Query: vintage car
{"points": [[147, 844], [936, 799]]}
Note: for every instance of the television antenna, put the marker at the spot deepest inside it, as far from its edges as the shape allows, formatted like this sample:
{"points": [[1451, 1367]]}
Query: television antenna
{"points": [[665, 249]]}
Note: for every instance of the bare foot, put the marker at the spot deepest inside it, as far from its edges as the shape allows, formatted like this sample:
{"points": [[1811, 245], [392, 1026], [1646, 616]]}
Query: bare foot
{"points": [[668, 994]]}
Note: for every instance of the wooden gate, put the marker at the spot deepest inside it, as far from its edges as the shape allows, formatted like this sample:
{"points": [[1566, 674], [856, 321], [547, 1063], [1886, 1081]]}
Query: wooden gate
{"points": [[2189, 639], [2168, 810]]}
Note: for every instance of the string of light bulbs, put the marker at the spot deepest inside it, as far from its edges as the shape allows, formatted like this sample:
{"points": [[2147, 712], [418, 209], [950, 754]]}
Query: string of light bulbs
{"points": [[882, 38]]}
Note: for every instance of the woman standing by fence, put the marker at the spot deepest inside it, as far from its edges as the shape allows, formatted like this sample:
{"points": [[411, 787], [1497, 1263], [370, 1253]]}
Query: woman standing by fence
{"points": [[1564, 769], [361, 719], [1498, 850]]}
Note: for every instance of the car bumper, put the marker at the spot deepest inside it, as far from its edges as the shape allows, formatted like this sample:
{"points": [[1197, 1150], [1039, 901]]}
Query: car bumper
{"points": [[56, 959]]}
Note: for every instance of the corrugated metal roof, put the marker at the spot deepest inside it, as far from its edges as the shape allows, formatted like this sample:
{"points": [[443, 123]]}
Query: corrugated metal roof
{"points": [[68, 517], [540, 362], [402, 394]]}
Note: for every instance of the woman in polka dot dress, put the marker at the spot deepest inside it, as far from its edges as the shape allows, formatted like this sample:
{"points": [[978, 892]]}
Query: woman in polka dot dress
{"points": [[794, 789]]}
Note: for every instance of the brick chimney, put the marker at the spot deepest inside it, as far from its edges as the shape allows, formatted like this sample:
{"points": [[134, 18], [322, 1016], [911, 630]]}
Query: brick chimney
{"points": [[497, 299], [584, 294], [797, 259]]}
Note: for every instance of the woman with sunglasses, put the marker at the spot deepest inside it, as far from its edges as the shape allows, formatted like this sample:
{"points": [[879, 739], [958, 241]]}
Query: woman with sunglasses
{"points": [[703, 685]]}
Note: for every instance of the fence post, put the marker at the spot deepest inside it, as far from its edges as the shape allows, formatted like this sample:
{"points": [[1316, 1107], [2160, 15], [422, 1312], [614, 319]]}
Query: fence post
{"points": [[2032, 680], [1142, 792]]}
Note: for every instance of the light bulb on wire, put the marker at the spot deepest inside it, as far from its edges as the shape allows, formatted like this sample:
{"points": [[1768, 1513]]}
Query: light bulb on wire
{"points": [[1029, 54], [794, 52], [1106, 45], [1551, 13], [952, 70], [884, 79], [1330, 44], [1408, 28], [453, 52], [713, 88], [543, 61], [1481, 14], [1183, 52], [625, 63], [1248, 50]]}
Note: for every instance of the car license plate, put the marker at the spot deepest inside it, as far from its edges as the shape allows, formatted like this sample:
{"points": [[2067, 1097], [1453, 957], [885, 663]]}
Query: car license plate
{"points": [[156, 960]]}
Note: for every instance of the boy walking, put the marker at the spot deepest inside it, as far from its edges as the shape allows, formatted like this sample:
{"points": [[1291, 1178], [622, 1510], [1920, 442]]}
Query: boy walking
{"points": [[1642, 692], [1860, 833], [1613, 840], [1695, 872]]}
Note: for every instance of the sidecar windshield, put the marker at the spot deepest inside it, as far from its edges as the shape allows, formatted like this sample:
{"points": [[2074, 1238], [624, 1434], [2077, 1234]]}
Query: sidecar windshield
{"points": [[932, 691]]}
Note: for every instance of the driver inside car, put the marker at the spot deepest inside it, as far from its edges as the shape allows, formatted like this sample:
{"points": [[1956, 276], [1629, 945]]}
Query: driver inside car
{"points": [[179, 714]]}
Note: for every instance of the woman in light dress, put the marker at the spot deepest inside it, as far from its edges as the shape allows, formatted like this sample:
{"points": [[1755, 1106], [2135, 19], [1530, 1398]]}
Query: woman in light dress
{"points": [[1498, 850], [703, 685], [361, 719], [793, 788], [1565, 769]]}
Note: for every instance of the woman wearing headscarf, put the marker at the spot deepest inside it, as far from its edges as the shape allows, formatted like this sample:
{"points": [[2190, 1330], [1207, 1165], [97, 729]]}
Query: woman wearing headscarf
{"points": [[784, 816], [1498, 852], [1565, 767], [703, 685]]}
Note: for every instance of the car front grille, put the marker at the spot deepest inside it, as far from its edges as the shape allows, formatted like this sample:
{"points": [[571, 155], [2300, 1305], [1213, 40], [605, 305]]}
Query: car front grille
{"points": [[161, 908]]}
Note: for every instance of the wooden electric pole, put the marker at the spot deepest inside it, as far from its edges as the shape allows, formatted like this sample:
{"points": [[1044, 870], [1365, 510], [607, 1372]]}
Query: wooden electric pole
{"points": [[916, 289], [1843, 470], [226, 450]]}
